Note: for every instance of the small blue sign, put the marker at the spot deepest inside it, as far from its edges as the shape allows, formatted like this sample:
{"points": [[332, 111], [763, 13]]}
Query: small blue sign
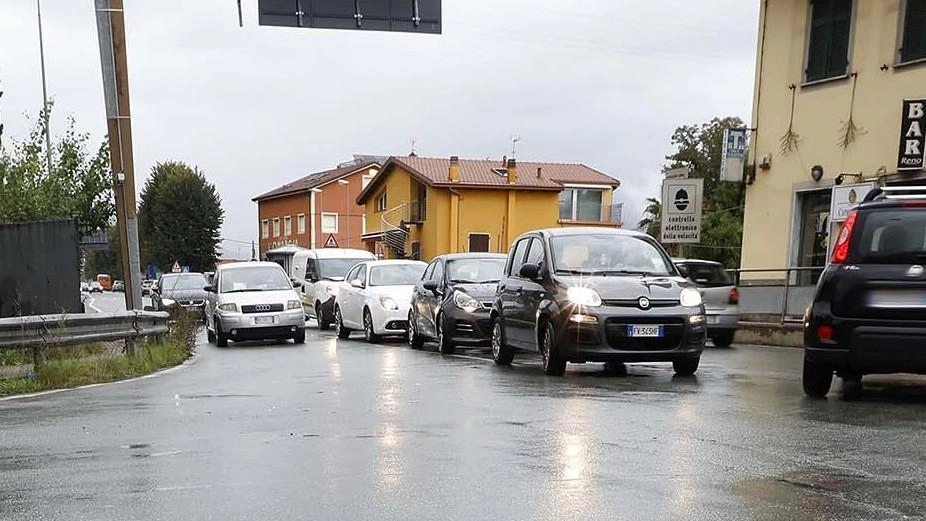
{"points": [[152, 271], [184, 269]]}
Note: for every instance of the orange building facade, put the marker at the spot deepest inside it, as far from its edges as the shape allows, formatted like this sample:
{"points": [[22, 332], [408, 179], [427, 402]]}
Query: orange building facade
{"points": [[316, 211]]}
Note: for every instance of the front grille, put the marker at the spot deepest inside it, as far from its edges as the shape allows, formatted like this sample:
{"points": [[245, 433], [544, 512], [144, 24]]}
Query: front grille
{"points": [[190, 302], [262, 308], [634, 303], [616, 330], [487, 305], [397, 325]]}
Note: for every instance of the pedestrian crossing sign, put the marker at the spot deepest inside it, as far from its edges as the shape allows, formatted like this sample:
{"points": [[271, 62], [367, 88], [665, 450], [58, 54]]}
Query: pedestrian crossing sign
{"points": [[331, 242]]}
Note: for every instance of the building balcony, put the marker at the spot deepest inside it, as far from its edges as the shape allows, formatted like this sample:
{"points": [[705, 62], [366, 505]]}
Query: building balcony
{"points": [[591, 214]]}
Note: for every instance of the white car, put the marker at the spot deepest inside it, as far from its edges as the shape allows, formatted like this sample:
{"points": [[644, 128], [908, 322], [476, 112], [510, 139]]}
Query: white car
{"points": [[253, 301], [375, 297]]}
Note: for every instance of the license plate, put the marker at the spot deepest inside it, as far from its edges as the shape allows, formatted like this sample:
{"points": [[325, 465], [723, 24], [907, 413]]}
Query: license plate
{"points": [[897, 299], [263, 320], [644, 331]]}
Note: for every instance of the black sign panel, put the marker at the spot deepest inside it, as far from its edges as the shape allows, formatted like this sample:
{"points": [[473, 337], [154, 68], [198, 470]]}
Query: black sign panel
{"points": [[414, 16], [912, 138]]}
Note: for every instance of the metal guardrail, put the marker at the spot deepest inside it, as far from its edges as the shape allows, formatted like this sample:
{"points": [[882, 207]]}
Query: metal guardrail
{"points": [[786, 284], [39, 331]]}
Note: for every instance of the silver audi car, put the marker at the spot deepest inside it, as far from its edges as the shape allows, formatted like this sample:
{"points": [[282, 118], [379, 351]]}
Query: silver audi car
{"points": [[253, 301]]}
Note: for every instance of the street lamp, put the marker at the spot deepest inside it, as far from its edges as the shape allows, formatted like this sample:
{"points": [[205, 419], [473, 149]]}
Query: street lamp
{"points": [[345, 183]]}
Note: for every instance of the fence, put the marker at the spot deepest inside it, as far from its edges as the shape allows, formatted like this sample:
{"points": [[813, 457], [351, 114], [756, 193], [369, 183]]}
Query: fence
{"points": [[39, 268], [784, 298], [40, 331]]}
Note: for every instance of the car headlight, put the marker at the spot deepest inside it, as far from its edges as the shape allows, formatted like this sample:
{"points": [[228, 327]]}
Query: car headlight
{"points": [[168, 302], [465, 302], [690, 298], [696, 320], [229, 306], [293, 304], [583, 297], [388, 303], [331, 290]]}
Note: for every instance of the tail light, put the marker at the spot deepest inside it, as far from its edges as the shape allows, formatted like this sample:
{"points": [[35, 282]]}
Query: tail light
{"points": [[734, 296], [841, 250], [825, 332]]}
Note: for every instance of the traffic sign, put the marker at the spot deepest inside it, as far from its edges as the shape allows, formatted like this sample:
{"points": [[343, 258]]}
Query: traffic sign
{"points": [[681, 210], [175, 268], [331, 242], [410, 16]]}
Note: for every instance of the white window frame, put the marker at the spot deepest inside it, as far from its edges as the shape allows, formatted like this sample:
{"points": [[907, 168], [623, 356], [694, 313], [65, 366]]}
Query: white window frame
{"points": [[265, 229], [382, 201], [329, 229], [300, 223], [575, 200], [276, 226], [287, 225]]}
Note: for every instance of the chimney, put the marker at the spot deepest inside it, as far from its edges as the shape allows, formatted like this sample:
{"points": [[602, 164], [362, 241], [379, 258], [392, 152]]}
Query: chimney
{"points": [[539, 172], [512, 172], [454, 173]]}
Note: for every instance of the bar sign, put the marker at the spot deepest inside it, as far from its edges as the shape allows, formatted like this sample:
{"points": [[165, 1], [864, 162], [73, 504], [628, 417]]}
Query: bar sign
{"points": [[912, 139]]}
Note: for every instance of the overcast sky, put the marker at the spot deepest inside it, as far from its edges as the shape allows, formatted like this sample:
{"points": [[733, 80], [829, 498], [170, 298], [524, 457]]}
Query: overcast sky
{"points": [[600, 82]]}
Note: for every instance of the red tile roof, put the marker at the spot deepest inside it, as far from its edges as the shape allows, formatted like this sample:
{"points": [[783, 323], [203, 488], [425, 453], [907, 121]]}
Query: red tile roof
{"points": [[313, 180], [478, 173]]}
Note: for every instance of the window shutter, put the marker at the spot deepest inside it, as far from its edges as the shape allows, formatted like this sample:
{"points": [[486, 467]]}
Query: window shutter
{"points": [[828, 48], [914, 35], [819, 39]]}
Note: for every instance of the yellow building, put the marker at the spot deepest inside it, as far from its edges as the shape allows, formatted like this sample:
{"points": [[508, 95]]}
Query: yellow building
{"points": [[829, 112], [422, 207]]}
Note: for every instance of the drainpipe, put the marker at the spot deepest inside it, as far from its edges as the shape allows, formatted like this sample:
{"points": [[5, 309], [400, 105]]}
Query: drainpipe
{"points": [[312, 214], [455, 198]]}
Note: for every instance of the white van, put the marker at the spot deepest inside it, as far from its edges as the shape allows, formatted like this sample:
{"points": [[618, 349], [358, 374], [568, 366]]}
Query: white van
{"points": [[319, 271]]}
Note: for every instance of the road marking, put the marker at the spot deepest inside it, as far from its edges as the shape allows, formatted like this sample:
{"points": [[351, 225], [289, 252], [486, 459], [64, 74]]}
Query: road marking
{"points": [[90, 302]]}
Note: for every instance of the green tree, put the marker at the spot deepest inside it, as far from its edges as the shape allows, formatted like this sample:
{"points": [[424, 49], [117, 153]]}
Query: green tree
{"points": [[699, 147], [179, 218], [78, 185], [651, 222]]}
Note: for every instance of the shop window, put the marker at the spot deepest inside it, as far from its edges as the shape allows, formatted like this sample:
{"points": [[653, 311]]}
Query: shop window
{"points": [[813, 248]]}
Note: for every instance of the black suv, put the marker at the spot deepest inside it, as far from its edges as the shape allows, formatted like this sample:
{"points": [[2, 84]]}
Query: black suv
{"points": [[868, 315], [452, 301], [596, 295]]}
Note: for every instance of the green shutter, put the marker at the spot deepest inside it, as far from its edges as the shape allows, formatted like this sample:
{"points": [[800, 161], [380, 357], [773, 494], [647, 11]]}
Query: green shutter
{"points": [[914, 33], [828, 48]]}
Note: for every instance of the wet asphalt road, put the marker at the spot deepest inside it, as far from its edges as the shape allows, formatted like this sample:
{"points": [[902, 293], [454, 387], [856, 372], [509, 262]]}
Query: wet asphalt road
{"points": [[348, 431]]}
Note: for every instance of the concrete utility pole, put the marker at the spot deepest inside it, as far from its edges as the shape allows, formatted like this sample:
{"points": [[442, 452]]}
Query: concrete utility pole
{"points": [[45, 114], [110, 23]]}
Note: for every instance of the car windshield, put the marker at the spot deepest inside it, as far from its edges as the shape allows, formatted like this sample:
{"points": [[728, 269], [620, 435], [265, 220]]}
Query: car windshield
{"points": [[396, 274], [335, 269], [475, 271], [254, 278], [185, 281], [892, 236], [609, 255], [706, 274]]}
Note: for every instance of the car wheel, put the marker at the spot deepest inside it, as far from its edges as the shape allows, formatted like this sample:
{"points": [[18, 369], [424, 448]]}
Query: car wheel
{"points": [[368, 332], [221, 340], [553, 362], [414, 340], [299, 337], [686, 366], [502, 353], [724, 339], [324, 323], [340, 328], [816, 379], [444, 345]]}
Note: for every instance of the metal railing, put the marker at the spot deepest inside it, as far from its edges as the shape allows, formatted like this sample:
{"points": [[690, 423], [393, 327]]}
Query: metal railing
{"points": [[762, 296], [40, 331]]}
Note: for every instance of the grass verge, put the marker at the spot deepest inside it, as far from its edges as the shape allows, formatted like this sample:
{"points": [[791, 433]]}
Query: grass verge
{"points": [[80, 369]]}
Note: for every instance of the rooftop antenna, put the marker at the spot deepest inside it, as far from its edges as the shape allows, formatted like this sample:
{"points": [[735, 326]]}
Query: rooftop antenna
{"points": [[414, 147], [514, 145], [240, 18]]}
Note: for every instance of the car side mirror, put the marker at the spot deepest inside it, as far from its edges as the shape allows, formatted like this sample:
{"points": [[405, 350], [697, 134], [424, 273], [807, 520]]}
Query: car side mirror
{"points": [[432, 286], [530, 271], [296, 282], [357, 283], [207, 289]]}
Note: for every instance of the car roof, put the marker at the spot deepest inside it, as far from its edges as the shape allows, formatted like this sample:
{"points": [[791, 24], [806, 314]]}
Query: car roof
{"points": [[478, 255], [247, 264], [584, 230], [341, 253], [392, 262]]}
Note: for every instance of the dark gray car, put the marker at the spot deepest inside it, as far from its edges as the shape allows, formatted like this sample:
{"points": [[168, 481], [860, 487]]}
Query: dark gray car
{"points": [[184, 290], [596, 295], [452, 301]]}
